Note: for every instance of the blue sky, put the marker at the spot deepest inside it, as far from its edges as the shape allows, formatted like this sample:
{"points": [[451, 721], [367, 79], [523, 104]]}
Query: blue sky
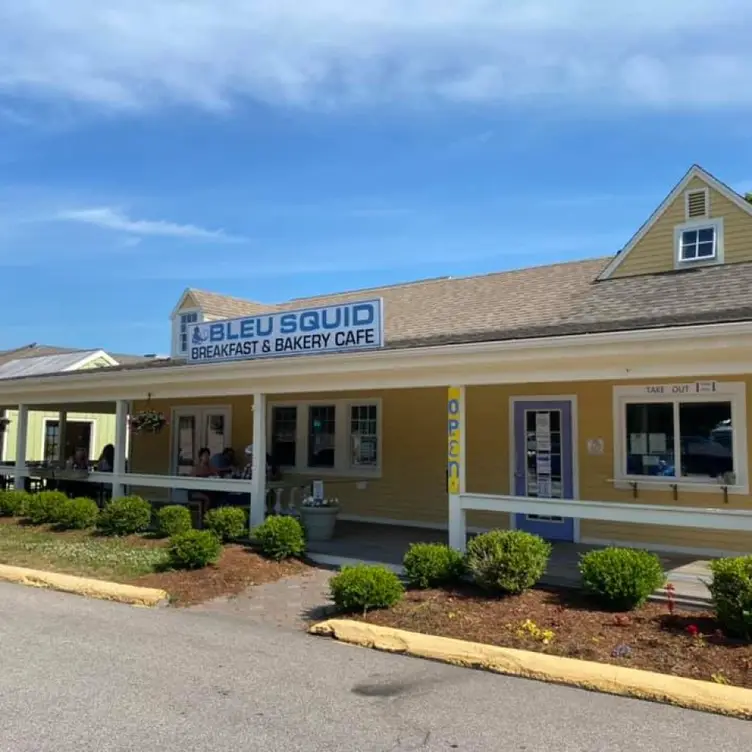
{"points": [[277, 150]]}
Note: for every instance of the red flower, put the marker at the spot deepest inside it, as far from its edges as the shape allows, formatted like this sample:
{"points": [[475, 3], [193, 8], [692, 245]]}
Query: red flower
{"points": [[692, 630]]}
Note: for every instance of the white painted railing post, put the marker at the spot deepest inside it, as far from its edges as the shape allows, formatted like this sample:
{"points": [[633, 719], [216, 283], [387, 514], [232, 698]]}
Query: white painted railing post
{"points": [[22, 430], [456, 466], [62, 429], [258, 482], [121, 448]]}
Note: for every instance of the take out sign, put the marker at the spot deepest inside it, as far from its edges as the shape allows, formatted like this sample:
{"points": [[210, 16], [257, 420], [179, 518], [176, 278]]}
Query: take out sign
{"points": [[697, 387]]}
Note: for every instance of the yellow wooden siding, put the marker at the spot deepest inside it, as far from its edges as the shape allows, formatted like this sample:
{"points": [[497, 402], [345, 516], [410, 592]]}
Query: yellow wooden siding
{"points": [[189, 302], [103, 432], [412, 486], [655, 252]]}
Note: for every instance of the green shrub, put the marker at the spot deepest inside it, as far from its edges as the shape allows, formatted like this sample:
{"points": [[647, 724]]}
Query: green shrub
{"points": [[76, 514], [125, 516], [228, 523], [621, 578], [194, 549], [731, 588], [507, 561], [432, 565], [363, 587], [173, 520], [280, 537], [13, 503], [44, 506]]}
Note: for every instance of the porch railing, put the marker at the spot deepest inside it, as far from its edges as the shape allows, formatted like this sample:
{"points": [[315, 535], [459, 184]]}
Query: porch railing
{"points": [[607, 511]]}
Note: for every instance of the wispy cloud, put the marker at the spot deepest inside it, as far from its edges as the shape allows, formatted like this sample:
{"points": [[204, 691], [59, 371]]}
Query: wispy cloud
{"points": [[109, 218], [329, 53]]}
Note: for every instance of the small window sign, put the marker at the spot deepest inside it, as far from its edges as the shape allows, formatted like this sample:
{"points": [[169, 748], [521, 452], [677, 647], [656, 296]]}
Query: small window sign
{"points": [[318, 490]]}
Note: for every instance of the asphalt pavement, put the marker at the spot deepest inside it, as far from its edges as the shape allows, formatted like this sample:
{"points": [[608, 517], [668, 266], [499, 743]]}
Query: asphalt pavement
{"points": [[79, 675]]}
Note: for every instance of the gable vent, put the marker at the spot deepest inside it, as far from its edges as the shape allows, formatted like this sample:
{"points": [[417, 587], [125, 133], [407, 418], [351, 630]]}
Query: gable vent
{"points": [[697, 204]]}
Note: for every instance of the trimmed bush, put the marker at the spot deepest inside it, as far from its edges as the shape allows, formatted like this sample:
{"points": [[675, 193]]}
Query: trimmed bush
{"points": [[507, 561], [125, 516], [621, 578], [432, 565], [13, 503], [194, 549], [363, 587], [173, 520], [44, 506], [227, 523], [77, 514], [280, 537], [731, 588]]}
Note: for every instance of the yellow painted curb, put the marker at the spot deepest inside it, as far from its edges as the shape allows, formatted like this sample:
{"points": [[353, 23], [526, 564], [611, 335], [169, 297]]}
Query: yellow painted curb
{"points": [[108, 591], [600, 677]]}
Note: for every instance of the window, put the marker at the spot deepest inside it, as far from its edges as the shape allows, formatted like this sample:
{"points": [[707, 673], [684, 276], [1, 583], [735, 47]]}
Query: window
{"points": [[363, 436], [321, 435], [284, 435], [685, 436], [326, 438], [698, 242], [51, 440], [185, 320]]}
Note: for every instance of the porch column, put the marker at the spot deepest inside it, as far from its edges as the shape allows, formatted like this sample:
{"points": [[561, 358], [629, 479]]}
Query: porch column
{"points": [[21, 433], [121, 448], [456, 466], [62, 424], [258, 482]]}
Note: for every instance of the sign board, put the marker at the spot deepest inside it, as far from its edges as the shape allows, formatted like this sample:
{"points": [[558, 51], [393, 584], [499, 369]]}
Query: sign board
{"points": [[454, 435], [697, 387], [318, 490], [311, 331]]}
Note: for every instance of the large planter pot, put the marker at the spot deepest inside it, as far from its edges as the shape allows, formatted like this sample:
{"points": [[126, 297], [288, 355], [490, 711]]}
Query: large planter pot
{"points": [[319, 522]]}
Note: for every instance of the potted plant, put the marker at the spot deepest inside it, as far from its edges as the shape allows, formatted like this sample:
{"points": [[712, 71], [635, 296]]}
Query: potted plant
{"points": [[148, 421], [319, 517]]}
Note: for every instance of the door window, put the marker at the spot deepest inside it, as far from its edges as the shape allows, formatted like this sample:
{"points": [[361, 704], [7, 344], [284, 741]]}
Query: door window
{"points": [[196, 428], [543, 460]]}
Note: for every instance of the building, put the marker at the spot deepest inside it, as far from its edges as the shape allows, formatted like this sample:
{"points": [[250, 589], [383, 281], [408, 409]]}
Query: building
{"points": [[597, 401]]}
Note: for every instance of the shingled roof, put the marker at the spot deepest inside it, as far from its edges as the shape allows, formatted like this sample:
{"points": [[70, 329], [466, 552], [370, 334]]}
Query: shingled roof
{"points": [[226, 307]]}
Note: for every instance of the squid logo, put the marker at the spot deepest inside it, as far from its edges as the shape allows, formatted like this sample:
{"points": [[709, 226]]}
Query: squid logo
{"points": [[198, 338]]}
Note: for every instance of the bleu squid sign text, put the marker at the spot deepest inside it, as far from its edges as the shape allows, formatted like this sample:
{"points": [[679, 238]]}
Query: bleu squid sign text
{"points": [[310, 331], [454, 434]]}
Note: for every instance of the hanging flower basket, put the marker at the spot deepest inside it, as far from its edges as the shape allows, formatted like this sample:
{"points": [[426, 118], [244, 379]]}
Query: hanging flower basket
{"points": [[4, 422], [148, 421]]}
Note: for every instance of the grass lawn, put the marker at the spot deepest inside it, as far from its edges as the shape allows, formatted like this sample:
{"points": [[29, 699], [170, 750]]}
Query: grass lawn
{"points": [[138, 560]]}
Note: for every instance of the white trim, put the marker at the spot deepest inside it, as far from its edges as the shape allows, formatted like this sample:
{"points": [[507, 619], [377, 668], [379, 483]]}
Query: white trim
{"points": [[732, 391], [694, 172], [710, 349], [714, 553], [687, 194], [96, 355], [342, 460], [92, 432], [574, 428], [178, 307], [718, 243]]}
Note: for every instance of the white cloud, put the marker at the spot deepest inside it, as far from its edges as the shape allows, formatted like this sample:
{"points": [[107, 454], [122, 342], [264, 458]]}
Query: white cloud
{"points": [[112, 219], [327, 53]]}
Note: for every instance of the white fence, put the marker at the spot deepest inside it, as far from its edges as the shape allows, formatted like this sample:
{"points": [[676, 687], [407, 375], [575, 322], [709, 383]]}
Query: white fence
{"points": [[608, 511]]}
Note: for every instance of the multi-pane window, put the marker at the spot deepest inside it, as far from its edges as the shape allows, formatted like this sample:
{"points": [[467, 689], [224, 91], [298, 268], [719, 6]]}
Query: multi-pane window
{"points": [[364, 436], [698, 244], [321, 435], [51, 440], [186, 319], [680, 439], [284, 435]]}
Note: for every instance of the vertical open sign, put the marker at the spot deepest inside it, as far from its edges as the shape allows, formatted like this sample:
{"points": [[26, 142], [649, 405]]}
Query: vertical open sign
{"points": [[454, 434]]}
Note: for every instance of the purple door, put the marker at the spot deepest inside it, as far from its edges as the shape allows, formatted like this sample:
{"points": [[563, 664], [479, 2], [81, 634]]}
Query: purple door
{"points": [[543, 463]]}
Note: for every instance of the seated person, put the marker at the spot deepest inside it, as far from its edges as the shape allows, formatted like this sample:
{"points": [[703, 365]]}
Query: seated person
{"points": [[203, 469], [271, 470], [79, 460], [224, 461], [106, 461]]}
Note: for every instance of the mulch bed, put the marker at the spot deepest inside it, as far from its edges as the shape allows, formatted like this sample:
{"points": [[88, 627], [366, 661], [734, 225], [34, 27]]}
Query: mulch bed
{"points": [[237, 569], [649, 638]]}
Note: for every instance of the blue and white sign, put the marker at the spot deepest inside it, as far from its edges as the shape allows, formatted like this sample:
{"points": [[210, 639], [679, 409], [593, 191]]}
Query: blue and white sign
{"points": [[311, 331]]}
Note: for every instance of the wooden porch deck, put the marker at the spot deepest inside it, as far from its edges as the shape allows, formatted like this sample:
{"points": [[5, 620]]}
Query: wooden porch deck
{"points": [[386, 544]]}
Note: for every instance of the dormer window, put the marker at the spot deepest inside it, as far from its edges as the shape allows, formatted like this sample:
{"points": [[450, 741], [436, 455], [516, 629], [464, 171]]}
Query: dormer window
{"points": [[699, 242], [182, 331]]}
